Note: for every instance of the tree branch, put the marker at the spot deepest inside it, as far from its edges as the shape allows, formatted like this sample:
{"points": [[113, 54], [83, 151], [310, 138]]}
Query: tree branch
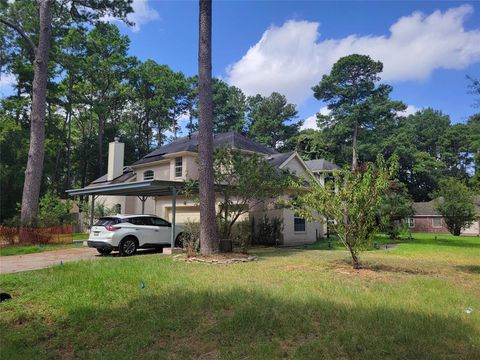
{"points": [[22, 33]]}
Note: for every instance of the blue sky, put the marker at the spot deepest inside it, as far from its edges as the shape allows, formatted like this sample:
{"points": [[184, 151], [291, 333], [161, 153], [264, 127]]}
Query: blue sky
{"points": [[427, 48]]}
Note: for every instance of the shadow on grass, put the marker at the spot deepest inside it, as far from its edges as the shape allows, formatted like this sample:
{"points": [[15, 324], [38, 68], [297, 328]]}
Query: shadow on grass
{"points": [[269, 252], [460, 242], [238, 324], [474, 269], [139, 252]]}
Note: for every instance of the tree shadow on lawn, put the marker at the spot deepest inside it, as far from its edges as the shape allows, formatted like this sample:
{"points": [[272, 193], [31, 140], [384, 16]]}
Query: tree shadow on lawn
{"points": [[473, 242], [474, 269], [239, 324]]}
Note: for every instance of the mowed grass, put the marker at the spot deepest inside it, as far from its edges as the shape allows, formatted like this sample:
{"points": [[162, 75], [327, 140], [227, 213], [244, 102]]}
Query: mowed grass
{"points": [[407, 303]]}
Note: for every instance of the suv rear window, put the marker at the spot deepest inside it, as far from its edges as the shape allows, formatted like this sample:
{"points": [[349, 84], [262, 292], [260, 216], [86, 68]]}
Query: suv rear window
{"points": [[105, 221], [141, 220]]}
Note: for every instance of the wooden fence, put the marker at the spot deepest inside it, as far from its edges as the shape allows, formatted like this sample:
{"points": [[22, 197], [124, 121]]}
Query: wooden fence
{"points": [[61, 234]]}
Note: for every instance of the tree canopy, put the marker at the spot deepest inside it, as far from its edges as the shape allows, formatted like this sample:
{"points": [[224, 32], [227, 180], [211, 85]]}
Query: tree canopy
{"points": [[97, 89]]}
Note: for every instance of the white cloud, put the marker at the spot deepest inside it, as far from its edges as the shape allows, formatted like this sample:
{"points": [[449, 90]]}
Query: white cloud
{"points": [[291, 58], [184, 118], [311, 121], [142, 14], [7, 81], [410, 110]]}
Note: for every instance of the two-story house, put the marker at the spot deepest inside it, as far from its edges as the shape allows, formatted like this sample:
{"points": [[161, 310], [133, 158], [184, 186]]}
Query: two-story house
{"points": [[177, 162]]}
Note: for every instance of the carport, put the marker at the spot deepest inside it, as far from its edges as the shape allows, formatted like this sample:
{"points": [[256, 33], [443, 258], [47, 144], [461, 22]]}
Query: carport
{"points": [[141, 189]]}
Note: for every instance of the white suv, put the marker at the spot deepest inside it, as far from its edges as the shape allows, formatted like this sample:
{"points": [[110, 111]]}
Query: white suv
{"points": [[127, 233]]}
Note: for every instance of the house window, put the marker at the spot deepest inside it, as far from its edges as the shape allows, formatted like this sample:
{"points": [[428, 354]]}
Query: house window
{"points": [[148, 175], [178, 167], [436, 222], [298, 224], [410, 222], [118, 208]]}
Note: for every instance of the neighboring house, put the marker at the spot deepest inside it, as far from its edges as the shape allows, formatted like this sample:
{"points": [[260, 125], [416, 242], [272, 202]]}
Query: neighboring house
{"points": [[427, 219], [177, 161], [323, 171]]}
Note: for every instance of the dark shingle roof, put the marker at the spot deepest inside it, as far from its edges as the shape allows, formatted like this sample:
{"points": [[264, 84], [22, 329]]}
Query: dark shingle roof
{"points": [[127, 174], [321, 165], [424, 208], [278, 159], [190, 143]]}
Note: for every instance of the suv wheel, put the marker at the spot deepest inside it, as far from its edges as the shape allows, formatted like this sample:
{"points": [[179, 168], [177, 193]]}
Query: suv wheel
{"points": [[104, 251], [179, 241], [127, 246]]}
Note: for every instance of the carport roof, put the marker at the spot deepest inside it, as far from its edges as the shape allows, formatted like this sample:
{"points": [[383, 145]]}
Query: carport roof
{"points": [[134, 188]]}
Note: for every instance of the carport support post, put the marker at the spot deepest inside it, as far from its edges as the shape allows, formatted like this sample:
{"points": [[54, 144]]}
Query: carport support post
{"points": [[174, 211], [143, 199], [92, 210]]}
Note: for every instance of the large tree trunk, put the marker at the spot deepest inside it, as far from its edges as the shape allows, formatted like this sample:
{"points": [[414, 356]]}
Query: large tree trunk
{"points": [[101, 130], [354, 147], [208, 236], [33, 173]]}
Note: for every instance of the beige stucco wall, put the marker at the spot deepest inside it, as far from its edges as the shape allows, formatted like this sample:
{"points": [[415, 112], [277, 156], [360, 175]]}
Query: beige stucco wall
{"points": [[161, 170], [165, 169], [191, 167], [289, 236], [474, 229], [296, 166]]}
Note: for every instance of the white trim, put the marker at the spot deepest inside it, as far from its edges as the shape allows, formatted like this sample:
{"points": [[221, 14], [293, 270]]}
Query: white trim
{"points": [[149, 164], [179, 154], [408, 222], [152, 176]]}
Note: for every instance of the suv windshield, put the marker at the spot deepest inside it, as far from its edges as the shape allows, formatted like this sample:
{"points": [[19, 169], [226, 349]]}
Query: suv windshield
{"points": [[105, 221]]}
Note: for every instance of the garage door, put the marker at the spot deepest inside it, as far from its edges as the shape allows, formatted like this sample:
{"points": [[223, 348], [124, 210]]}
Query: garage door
{"points": [[185, 214]]}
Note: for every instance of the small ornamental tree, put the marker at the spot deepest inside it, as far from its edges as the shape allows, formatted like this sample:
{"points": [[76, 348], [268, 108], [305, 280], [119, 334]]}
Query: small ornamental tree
{"points": [[354, 207], [455, 203], [395, 206], [244, 181]]}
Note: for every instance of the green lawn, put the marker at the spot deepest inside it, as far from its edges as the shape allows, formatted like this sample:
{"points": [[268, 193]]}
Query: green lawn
{"points": [[407, 303]]}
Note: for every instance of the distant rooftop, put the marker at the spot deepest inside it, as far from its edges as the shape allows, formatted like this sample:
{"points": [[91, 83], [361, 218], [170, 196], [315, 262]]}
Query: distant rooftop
{"points": [[321, 165], [427, 208]]}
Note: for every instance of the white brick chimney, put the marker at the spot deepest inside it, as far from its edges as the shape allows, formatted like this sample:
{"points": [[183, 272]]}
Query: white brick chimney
{"points": [[115, 159]]}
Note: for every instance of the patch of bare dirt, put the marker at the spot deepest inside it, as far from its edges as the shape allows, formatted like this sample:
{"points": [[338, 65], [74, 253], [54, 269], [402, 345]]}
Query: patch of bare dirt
{"points": [[377, 270]]}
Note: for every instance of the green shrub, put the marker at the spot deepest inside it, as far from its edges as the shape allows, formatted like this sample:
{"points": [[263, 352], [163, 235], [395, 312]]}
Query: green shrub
{"points": [[242, 234], [191, 238], [268, 231]]}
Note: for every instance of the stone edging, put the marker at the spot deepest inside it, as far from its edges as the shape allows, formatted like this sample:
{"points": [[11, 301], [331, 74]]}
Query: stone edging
{"points": [[215, 261]]}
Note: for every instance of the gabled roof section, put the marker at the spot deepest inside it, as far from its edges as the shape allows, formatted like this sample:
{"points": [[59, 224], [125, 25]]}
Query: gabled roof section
{"points": [[278, 159], [321, 165], [190, 143]]}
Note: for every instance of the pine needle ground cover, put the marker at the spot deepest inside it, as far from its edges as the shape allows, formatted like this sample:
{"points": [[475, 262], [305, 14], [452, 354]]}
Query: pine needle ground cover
{"points": [[419, 300]]}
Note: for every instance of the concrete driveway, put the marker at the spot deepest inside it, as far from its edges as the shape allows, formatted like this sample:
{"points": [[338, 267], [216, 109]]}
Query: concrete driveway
{"points": [[18, 263]]}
